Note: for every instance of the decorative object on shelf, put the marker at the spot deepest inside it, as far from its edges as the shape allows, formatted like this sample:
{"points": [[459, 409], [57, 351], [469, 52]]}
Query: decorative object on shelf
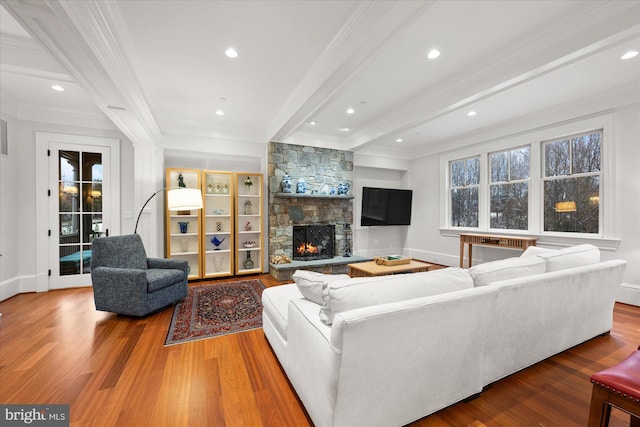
{"points": [[332, 191], [177, 200], [248, 244], [248, 226], [248, 183], [218, 211], [248, 263], [181, 183], [301, 187], [218, 188], [217, 242], [184, 244], [286, 183], [343, 188], [248, 207], [225, 188], [183, 226], [325, 189], [209, 186], [218, 226], [217, 263]]}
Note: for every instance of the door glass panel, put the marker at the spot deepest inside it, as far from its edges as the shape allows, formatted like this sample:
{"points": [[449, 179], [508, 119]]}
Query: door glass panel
{"points": [[80, 208]]}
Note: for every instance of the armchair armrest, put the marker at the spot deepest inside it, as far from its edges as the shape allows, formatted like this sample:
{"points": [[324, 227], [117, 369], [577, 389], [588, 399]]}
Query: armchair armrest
{"points": [[119, 287], [162, 263]]}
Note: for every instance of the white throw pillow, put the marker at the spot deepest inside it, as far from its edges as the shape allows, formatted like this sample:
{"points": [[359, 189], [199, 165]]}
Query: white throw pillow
{"points": [[536, 250], [574, 256], [506, 269], [359, 292], [310, 283]]}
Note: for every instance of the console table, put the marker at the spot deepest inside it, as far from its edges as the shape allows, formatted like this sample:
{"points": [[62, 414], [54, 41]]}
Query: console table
{"points": [[507, 242]]}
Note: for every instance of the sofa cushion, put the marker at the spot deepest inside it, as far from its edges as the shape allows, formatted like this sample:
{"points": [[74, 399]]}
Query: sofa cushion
{"points": [[536, 250], [310, 283], [343, 295], [574, 256], [505, 269]]}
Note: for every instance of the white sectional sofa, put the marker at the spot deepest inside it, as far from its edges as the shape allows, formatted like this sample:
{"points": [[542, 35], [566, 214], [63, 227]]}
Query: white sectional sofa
{"points": [[389, 350]]}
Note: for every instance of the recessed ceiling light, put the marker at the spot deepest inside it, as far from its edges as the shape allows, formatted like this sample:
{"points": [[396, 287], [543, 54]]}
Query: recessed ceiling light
{"points": [[399, 140], [350, 111], [433, 54], [345, 129], [471, 113], [231, 52], [630, 54], [313, 123], [58, 88], [219, 112]]}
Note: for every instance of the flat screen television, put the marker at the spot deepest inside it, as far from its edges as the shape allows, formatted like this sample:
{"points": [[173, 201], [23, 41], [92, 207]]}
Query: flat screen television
{"points": [[385, 206]]}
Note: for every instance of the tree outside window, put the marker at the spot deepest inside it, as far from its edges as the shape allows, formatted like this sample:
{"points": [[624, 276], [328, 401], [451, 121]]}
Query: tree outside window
{"points": [[509, 189], [463, 190], [571, 184]]}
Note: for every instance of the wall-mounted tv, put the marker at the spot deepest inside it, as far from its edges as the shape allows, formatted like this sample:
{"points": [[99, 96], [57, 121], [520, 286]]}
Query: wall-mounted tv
{"points": [[385, 206]]}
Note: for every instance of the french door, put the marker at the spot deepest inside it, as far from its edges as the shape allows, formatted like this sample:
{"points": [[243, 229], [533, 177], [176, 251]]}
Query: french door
{"points": [[79, 199]]}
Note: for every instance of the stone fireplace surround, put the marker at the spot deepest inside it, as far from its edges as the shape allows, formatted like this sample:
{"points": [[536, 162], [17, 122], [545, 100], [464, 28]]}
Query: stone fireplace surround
{"points": [[318, 167]]}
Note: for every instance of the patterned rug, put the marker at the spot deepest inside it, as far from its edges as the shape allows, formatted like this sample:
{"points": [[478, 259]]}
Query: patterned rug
{"points": [[217, 309]]}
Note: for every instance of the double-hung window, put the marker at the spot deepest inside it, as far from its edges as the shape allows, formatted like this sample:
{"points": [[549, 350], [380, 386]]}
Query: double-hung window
{"points": [[509, 189], [463, 190], [571, 180]]}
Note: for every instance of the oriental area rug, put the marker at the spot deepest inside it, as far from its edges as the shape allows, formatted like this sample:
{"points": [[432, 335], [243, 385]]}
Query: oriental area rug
{"points": [[216, 309]]}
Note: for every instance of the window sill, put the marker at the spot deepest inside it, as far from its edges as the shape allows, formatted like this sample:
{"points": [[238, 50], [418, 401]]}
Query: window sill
{"points": [[604, 244]]}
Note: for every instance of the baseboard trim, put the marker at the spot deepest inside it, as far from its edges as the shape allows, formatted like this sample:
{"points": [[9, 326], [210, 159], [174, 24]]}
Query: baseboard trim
{"points": [[629, 293], [17, 285]]}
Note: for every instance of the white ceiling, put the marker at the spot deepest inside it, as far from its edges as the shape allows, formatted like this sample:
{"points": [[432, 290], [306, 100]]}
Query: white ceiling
{"points": [[157, 69]]}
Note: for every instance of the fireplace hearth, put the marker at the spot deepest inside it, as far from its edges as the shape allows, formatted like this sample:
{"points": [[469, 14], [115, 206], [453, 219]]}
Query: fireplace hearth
{"points": [[315, 241]]}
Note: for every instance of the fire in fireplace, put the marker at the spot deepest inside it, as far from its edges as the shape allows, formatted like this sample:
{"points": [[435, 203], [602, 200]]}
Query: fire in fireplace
{"points": [[314, 241]]}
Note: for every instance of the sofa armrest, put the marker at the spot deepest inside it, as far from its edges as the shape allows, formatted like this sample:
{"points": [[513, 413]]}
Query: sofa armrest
{"points": [[164, 263]]}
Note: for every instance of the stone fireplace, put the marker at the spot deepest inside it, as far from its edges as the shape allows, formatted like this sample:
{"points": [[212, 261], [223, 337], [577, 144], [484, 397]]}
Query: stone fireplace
{"points": [[315, 241], [321, 168]]}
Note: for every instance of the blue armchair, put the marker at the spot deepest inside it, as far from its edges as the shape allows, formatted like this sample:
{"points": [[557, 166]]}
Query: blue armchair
{"points": [[126, 282]]}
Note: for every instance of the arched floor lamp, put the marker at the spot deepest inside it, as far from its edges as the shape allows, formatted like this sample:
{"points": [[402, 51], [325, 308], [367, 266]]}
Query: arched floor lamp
{"points": [[178, 199]]}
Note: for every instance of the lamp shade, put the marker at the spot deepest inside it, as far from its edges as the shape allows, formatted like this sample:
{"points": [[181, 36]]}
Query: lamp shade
{"points": [[566, 207], [184, 199]]}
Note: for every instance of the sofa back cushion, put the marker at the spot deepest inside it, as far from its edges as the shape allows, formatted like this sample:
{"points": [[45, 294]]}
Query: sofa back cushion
{"points": [[343, 295], [574, 256], [505, 269], [310, 283]]}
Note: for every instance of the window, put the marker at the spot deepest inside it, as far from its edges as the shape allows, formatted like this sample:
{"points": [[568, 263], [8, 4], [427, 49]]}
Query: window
{"points": [[509, 189], [463, 188], [571, 183]]}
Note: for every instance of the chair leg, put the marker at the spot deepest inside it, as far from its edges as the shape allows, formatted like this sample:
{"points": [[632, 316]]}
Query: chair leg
{"points": [[600, 410]]}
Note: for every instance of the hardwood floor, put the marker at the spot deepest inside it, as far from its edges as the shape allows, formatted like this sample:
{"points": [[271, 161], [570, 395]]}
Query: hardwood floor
{"points": [[115, 371]]}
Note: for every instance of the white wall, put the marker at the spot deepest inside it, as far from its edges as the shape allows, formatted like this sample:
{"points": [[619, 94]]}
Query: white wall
{"points": [[382, 240], [428, 243], [18, 238]]}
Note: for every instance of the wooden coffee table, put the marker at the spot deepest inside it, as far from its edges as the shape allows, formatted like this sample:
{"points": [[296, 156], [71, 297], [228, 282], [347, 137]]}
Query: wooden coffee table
{"points": [[370, 268]]}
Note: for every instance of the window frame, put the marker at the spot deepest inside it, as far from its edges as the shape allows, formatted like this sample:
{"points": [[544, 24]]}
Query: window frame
{"points": [[608, 236]]}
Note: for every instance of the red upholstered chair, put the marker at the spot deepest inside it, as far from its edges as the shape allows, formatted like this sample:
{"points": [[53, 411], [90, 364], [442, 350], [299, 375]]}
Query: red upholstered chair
{"points": [[617, 386]]}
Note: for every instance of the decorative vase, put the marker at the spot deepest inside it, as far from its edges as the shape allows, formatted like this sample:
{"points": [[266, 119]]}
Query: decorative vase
{"points": [[286, 183], [343, 188], [184, 244], [218, 226], [301, 187], [248, 226], [248, 208], [217, 263], [183, 226], [248, 263], [217, 242]]}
